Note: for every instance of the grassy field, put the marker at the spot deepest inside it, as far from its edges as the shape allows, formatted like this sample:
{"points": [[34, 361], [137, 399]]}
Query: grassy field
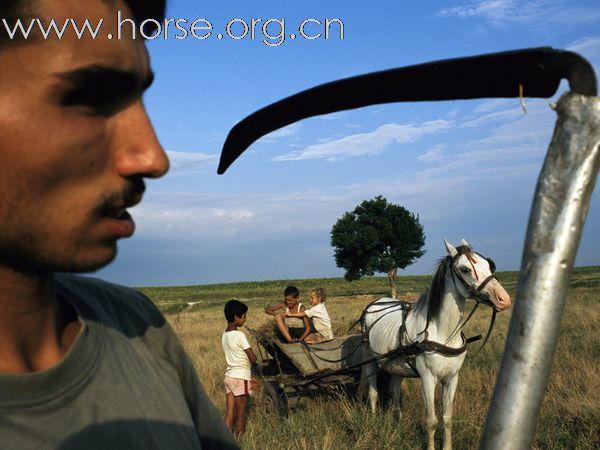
{"points": [[570, 416]]}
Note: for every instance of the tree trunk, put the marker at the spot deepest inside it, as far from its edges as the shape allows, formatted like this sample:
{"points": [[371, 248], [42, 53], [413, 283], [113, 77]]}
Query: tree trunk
{"points": [[392, 278]]}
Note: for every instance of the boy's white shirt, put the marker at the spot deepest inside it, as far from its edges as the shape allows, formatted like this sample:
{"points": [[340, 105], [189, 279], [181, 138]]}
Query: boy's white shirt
{"points": [[321, 320], [238, 365]]}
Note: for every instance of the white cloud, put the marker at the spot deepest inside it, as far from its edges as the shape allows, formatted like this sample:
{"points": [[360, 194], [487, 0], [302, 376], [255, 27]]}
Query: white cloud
{"points": [[496, 116], [434, 154], [494, 104], [372, 143], [285, 132], [519, 130], [333, 116], [532, 13], [185, 161], [189, 215], [493, 10], [588, 47]]}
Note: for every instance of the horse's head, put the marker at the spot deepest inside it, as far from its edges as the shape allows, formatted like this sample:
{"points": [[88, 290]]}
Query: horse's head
{"points": [[476, 274]]}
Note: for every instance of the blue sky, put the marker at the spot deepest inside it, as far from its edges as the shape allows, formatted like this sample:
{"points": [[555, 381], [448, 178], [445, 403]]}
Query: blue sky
{"points": [[468, 168]]}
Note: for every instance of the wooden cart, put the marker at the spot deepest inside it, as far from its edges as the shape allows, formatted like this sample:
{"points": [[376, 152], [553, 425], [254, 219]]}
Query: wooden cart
{"points": [[292, 371]]}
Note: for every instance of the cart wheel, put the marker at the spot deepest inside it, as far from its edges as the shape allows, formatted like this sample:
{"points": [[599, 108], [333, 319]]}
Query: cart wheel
{"points": [[274, 399]]}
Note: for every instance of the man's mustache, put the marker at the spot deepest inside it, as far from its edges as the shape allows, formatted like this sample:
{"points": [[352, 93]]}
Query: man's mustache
{"points": [[130, 196]]}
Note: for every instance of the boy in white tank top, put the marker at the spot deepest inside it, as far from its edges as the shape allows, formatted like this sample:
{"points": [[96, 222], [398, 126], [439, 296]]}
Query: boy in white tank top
{"points": [[292, 329]]}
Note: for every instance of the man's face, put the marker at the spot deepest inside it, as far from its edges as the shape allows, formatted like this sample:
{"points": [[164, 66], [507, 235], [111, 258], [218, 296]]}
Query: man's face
{"points": [[75, 142]]}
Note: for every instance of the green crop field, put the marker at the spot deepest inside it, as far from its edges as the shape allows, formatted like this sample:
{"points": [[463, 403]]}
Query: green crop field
{"points": [[570, 414]]}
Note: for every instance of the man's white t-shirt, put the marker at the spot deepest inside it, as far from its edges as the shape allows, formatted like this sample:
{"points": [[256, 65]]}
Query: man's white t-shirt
{"points": [[321, 320], [238, 365]]}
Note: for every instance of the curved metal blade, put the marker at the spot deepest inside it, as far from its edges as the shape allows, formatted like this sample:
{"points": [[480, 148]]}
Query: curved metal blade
{"points": [[537, 70]]}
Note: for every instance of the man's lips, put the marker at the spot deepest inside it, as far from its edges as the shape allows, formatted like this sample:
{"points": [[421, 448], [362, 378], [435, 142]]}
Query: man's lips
{"points": [[112, 209], [120, 212], [120, 224]]}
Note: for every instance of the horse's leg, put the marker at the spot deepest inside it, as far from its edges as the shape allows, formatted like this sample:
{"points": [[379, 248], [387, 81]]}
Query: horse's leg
{"points": [[396, 389], [448, 391], [428, 392], [369, 372]]}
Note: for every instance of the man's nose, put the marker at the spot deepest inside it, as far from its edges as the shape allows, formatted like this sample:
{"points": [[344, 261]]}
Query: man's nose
{"points": [[138, 151]]}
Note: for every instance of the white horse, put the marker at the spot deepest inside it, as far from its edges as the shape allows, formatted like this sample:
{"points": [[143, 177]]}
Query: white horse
{"points": [[427, 334]]}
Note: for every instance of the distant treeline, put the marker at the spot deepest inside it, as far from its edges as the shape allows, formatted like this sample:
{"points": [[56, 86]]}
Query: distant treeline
{"points": [[175, 298]]}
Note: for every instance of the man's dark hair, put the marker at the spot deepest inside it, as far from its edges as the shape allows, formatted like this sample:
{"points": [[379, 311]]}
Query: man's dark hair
{"points": [[291, 291], [12, 10], [234, 308], [147, 9]]}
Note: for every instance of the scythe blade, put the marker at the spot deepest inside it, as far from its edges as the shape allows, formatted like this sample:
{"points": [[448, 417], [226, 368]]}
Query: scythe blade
{"points": [[538, 71]]}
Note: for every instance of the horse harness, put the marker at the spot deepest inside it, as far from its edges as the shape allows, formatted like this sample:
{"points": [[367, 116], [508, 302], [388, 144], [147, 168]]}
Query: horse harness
{"points": [[410, 351]]}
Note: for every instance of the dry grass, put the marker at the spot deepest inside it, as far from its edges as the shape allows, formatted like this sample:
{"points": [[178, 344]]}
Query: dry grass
{"points": [[569, 418]]}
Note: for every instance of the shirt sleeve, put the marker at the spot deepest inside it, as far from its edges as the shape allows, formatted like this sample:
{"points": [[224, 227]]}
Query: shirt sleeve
{"points": [[242, 340], [315, 311]]}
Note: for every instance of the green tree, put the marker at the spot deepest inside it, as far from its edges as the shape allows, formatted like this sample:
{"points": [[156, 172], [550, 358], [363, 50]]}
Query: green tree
{"points": [[377, 237]]}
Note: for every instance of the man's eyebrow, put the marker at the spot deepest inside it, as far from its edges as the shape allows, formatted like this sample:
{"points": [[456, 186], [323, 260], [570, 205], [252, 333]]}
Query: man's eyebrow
{"points": [[127, 82], [104, 89]]}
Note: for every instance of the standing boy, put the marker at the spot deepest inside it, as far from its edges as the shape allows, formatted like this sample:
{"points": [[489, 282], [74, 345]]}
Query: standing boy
{"points": [[240, 359]]}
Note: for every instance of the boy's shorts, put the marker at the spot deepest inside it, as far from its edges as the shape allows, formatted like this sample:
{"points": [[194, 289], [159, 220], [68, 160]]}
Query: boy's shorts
{"points": [[237, 386], [296, 333]]}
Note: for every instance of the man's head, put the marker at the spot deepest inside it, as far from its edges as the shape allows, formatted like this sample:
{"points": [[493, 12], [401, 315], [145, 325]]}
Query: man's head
{"points": [[75, 140]]}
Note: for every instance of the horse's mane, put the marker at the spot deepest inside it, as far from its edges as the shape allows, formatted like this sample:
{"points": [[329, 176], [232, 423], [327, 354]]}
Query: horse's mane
{"points": [[433, 297]]}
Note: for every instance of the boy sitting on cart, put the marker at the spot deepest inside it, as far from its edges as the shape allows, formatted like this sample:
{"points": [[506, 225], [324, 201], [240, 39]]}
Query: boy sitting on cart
{"points": [[292, 329]]}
